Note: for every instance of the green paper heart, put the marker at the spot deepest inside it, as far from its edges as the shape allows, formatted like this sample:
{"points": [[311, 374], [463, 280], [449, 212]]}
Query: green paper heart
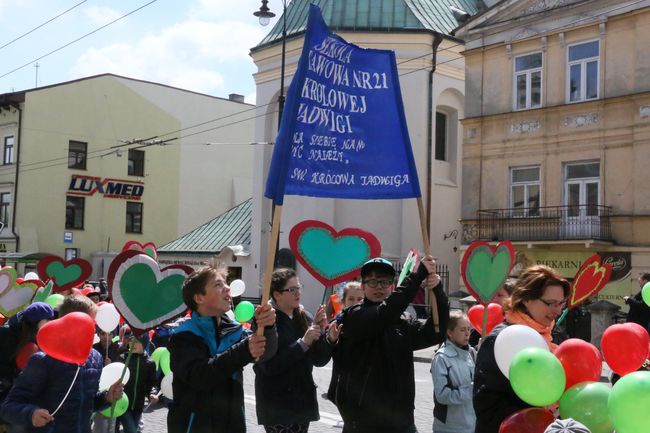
{"points": [[139, 286], [43, 292], [317, 246], [486, 271], [62, 274]]}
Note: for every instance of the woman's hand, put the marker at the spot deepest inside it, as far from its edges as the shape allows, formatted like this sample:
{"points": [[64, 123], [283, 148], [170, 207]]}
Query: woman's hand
{"points": [[312, 334], [333, 332], [321, 317]]}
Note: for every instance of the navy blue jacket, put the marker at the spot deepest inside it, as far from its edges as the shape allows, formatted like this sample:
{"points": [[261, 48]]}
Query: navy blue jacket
{"points": [[43, 384]]}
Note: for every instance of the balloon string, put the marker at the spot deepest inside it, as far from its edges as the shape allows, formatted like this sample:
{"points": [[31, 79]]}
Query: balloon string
{"points": [[126, 365], [67, 393], [564, 313], [485, 319]]}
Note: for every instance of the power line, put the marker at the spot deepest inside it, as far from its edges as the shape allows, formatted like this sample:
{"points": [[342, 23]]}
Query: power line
{"points": [[46, 22], [77, 40], [143, 142]]}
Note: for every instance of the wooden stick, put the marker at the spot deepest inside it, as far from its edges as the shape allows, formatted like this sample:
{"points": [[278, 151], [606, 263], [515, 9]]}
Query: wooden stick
{"points": [[270, 259], [427, 251]]}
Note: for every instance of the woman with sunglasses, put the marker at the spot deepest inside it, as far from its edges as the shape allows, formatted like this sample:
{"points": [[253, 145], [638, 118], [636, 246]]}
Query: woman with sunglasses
{"points": [[537, 300], [284, 388]]}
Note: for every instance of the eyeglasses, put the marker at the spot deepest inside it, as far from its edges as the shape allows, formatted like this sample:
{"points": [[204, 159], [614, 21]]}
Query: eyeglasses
{"points": [[292, 290], [554, 304], [373, 283]]}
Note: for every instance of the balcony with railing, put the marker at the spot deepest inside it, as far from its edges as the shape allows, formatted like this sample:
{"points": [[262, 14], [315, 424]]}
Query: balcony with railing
{"points": [[551, 223]]}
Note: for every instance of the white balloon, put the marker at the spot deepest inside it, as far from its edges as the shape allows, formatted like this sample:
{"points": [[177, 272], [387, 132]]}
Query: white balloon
{"points": [[111, 374], [166, 386], [31, 276], [95, 339], [107, 317], [237, 288], [511, 341]]}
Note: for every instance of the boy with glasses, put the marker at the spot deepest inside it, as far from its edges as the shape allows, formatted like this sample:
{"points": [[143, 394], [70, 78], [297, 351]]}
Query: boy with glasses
{"points": [[372, 379]]}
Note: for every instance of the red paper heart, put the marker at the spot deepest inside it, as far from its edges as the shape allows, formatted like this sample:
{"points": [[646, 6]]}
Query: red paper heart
{"points": [[592, 276], [137, 246], [85, 267], [329, 263], [68, 339], [494, 316]]}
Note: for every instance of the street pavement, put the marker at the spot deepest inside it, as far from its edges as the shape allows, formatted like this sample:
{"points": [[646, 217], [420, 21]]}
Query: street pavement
{"points": [[155, 421]]}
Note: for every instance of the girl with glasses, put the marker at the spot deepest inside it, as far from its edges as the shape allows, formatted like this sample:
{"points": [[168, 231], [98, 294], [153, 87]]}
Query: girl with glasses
{"points": [[537, 300], [284, 388]]}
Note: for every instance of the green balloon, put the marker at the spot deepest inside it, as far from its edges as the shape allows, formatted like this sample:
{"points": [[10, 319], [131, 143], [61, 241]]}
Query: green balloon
{"points": [[157, 354], [164, 362], [645, 293], [244, 311], [586, 402], [120, 407], [629, 401], [537, 376], [54, 300]]}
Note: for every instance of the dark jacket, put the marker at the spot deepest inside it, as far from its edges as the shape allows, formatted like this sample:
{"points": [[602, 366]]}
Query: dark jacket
{"points": [[9, 335], [207, 360], [285, 391], [639, 311], [113, 351], [372, 378], [142, 381], [43, 384], [494, 399]]}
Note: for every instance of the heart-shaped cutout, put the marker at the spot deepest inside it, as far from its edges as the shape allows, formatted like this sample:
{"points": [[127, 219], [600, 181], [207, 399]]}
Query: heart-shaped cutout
{"points": [[135, 280], [485, 268], [64, 274], [68, 339], [592, 276], [330, 256], [494, 317], [149, 248], [14, 296]]}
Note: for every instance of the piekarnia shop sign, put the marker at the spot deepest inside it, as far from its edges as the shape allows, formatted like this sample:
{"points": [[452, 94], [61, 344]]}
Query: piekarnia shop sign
{"points": [[110, 188]]}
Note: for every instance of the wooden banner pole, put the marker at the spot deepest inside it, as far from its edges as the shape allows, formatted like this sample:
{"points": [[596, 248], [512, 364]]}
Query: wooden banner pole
{"points": [[270, 258], [427, 251]]}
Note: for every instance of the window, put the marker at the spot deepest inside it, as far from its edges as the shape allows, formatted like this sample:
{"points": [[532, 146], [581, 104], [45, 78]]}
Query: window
{"points": [[74, 212], [582, 71], [5, 202], [524, 191], [77, 155], [582, 188], [8, 154], [528, 81], [71, 253], [136, 162], [133, 217], [441, 136]]}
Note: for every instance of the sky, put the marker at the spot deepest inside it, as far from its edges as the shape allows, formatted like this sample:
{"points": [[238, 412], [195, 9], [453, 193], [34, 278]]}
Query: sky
{"points": [[198, 45]]}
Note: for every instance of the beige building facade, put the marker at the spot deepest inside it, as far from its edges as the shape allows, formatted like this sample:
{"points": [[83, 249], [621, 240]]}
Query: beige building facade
{"points": [[93, 163], [556, 134]]}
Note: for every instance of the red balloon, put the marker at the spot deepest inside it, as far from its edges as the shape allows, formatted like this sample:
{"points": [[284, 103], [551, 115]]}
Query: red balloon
{"points": [[581, 361], [24, 354], [494, 316], [68, 339], [625, 347], [531, 420]]}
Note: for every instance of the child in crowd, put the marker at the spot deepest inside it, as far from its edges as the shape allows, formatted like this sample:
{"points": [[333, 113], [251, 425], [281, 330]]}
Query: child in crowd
{"points": [[41, 387], [452, 370], [142, 383], [109, 350]]}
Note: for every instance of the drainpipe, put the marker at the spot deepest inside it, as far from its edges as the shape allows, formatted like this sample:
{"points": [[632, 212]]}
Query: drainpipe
{"points": [[15, 203], [437, 40]]}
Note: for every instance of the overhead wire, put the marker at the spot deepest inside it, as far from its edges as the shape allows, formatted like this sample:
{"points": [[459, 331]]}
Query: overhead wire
{"points": [[78, 39], [41, 25], [142, 143]]}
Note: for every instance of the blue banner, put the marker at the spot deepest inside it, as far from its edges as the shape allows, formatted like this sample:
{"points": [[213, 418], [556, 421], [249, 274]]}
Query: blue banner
{"points": [[343, 132]]}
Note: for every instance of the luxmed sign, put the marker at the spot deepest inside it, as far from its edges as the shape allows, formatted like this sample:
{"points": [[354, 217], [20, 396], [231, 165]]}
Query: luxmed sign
{"points": [[110, 188]]}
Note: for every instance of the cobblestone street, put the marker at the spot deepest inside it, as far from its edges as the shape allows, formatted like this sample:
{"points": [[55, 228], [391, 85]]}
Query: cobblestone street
{"points": [[155, 421]]}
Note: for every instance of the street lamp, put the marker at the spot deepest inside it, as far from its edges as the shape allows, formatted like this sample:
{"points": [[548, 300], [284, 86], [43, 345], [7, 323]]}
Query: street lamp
{"points": [[265, 15]]}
